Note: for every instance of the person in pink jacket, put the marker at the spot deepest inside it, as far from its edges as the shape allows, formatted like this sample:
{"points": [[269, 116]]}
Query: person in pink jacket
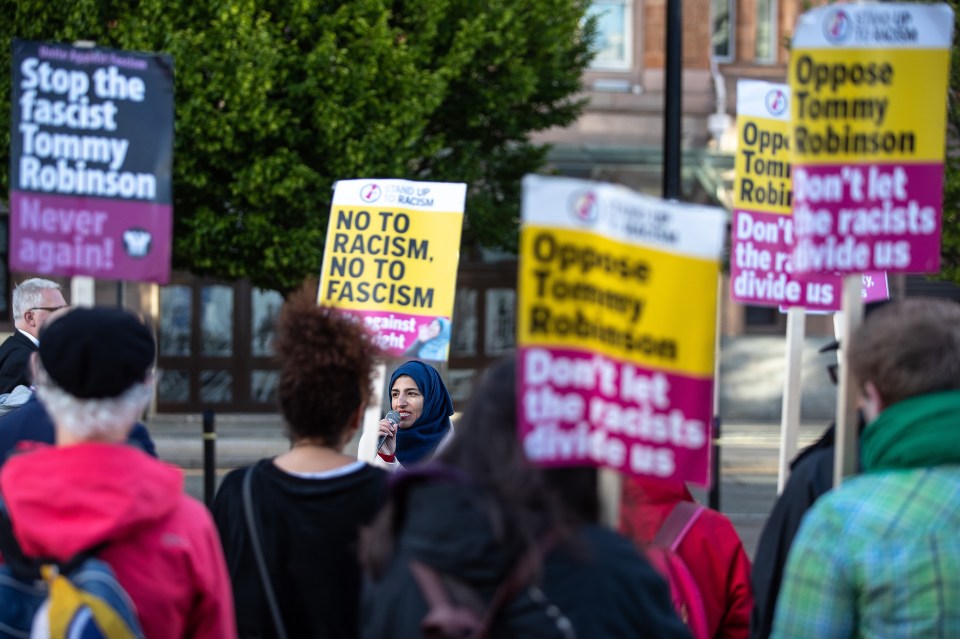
{"points": [[93, 375], [711, 550]]}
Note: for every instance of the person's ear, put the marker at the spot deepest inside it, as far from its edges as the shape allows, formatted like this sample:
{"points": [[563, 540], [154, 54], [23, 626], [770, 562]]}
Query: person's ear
{"points": [[871, 404]]}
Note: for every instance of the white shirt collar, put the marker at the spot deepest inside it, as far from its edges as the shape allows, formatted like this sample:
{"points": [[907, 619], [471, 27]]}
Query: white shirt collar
{"points": [[33, 339]]}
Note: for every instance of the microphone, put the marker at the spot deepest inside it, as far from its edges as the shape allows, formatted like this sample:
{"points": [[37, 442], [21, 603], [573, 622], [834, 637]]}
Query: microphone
{"points": [[394, 418]]}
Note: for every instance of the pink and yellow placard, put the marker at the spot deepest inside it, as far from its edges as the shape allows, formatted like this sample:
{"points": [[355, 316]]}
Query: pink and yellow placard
{"points": [[617, 302], [869, 87], [391, 259], [762, 236]]}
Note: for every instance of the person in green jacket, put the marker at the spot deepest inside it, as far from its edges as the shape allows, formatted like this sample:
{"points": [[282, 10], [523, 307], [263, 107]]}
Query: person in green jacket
{"points": [[880, 555]]}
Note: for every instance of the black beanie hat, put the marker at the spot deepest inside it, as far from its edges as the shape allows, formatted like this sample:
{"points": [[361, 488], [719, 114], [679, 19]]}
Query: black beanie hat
{"points": [[96, 353]]}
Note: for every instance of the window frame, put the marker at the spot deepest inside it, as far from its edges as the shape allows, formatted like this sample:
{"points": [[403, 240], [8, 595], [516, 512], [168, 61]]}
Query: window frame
{"points": [[731, 30], [773, 40], [628, 37]]}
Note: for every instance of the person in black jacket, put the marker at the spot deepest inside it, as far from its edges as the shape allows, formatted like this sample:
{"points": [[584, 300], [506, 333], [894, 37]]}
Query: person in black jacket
{"points": [[309, 503], [34, 300], [811, 475], [480, 510]]}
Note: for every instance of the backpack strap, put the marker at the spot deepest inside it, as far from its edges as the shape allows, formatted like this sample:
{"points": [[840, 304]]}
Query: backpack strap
{"points": [[674, 528], [254, 532]]}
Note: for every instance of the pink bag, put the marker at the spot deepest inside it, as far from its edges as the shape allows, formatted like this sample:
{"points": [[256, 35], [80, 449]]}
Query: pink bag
{"points": [[662, 553]]}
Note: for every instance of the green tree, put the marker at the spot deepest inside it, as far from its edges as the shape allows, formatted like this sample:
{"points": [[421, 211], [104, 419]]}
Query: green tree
{"points": [[950, 245], [276, 100]]}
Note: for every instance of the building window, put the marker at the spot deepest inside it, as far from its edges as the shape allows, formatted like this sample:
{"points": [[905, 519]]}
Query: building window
{"points": [[216, 320], [173, 386], [721, 29], [216, 387], [614, 40], [265, 307], [766, 52], [176, 320]]}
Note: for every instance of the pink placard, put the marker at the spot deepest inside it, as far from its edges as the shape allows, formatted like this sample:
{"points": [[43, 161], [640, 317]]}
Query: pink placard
{"points": [[762, 273], [102, 238], [585, 408], [867, 217], [424, 337]]}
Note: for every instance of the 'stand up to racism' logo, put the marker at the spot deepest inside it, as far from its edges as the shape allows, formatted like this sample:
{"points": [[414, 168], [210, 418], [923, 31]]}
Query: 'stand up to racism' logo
{"points": [[776, 101], [370, 192], [583, 206], [836, 26]]}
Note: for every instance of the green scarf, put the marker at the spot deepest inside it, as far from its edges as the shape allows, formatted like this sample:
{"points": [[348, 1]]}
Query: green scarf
{"points": [[914, 433]]}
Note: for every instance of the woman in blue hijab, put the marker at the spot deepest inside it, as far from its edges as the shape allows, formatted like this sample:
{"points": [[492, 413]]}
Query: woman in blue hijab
{"points": [[418, 395]]}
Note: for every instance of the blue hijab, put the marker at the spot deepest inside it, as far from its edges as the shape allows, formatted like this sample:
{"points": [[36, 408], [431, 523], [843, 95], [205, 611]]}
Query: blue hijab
{"points": [[423, 437]]}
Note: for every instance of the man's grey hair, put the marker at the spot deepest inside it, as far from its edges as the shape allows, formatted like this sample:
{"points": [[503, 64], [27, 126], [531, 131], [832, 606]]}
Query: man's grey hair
{"points": [[29, 294], [110, 418]]}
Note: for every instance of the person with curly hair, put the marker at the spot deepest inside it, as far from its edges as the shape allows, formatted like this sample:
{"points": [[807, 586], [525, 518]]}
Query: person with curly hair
{"points": [[308, 503]]}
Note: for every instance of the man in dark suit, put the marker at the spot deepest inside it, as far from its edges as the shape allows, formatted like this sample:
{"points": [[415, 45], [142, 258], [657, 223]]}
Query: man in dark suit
{"points": [[33, 302]]}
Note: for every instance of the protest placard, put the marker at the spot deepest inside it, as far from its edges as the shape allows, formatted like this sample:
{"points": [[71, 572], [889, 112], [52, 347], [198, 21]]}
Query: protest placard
{"points": [[617, 298], [391, 259], [762, 238], [869, 86], [91, 157]]}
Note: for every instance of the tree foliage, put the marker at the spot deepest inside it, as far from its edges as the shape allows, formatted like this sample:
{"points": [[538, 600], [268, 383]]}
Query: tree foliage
{"points": [[278, 99], [950, 246]]}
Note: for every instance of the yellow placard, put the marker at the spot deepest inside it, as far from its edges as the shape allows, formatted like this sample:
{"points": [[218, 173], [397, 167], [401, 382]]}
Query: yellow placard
{"points": [[590, 292], [762, 166], [391, 259], [861, 105]]}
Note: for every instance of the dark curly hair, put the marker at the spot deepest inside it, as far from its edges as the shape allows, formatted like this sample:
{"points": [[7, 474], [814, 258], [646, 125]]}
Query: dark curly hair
{"points": [[327, 362]]}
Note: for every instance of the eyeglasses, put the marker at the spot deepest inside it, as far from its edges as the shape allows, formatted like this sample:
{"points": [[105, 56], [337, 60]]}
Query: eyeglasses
{"points": [[49, 309], [833, 370]]}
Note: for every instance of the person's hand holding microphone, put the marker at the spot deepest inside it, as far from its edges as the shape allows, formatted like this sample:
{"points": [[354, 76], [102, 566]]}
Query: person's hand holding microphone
{"points": [[387, 444]]}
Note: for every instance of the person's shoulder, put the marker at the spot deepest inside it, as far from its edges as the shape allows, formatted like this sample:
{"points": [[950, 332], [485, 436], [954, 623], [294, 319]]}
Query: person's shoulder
{"points": [[190, 519], [875, 501], [714, 520], [815, 468], [715, 530], [597, 536], [843, 510], [233, 480], [373, 474], [366, 478], [13, 340], [30, 413], [18, 342], [607, 553]]}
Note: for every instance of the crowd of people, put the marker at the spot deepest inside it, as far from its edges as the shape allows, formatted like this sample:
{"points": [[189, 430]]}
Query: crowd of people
{"points": [[450, 530]]}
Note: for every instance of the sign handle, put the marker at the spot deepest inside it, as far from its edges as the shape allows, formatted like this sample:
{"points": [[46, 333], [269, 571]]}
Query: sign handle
{"points": [[790, 412], [847, 437]]}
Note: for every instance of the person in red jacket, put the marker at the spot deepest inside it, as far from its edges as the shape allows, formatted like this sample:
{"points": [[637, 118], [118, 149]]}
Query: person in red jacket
{"points": [[711, 550], [94, 377]]}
